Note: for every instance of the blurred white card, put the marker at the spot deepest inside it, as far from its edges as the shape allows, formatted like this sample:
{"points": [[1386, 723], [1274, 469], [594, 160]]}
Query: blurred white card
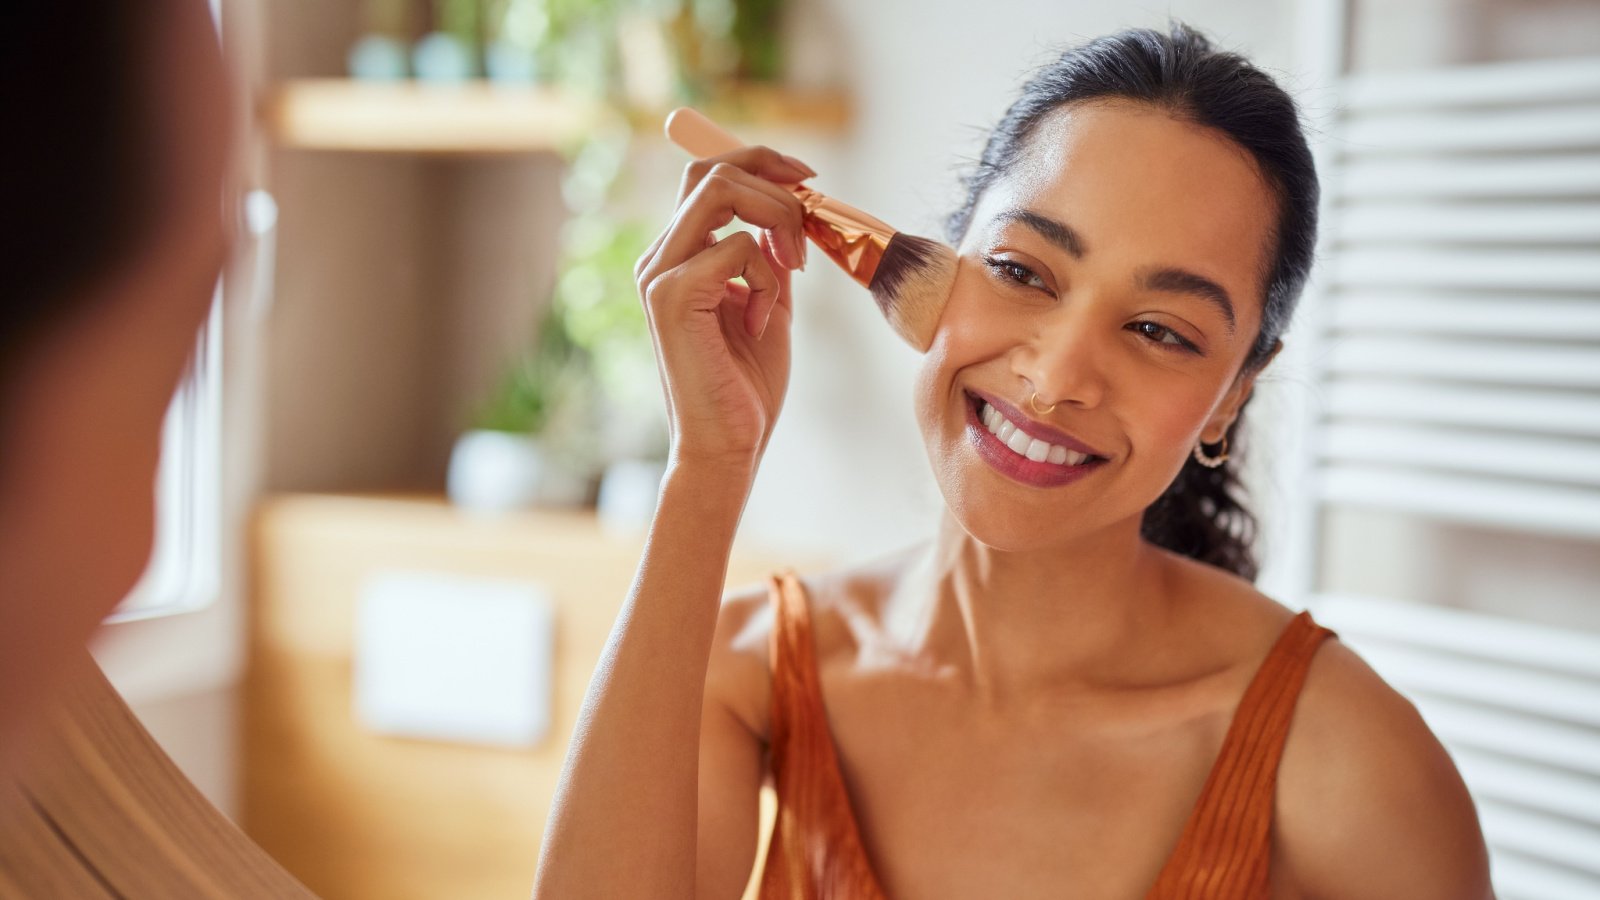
{"points": [[454, 658]]}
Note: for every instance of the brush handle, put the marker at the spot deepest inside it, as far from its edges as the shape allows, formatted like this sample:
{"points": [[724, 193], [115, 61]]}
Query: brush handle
{"points": [[690, 129]]}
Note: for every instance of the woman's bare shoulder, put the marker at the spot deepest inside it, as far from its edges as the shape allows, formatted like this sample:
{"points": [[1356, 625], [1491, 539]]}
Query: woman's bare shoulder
{"points": [[842, 602], [1362, 777], [738, 674]]}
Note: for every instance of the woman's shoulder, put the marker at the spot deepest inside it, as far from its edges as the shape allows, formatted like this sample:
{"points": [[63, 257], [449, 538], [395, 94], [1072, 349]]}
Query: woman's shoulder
{"points": [[1362, 776], [840, 602]]}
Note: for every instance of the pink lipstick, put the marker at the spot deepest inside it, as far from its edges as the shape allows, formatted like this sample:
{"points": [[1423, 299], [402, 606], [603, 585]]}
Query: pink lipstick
{"points": [[1018, 467]]}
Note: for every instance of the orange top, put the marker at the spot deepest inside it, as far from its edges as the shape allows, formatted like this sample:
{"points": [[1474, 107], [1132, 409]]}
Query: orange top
{"points": [[816, 851]]}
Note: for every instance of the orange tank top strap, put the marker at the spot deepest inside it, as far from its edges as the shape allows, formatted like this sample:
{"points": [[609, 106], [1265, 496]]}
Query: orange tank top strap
{"points": [[816, 850], [1226, 844]]}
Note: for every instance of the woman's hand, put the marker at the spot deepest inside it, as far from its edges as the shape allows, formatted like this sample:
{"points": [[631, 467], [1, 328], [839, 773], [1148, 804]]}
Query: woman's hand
{"points": [[722, 348]]}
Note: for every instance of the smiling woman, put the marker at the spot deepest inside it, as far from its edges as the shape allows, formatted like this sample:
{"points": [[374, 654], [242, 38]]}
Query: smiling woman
{"points": [[1231, 109], [1073, 689]]}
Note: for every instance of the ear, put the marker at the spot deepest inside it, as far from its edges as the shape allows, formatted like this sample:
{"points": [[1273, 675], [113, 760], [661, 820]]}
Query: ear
{"points": [[1228, 409]]}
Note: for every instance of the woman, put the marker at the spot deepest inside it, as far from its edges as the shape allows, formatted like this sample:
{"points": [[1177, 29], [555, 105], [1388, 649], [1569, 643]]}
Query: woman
{"points": [[113, 239], [1074, 688]]}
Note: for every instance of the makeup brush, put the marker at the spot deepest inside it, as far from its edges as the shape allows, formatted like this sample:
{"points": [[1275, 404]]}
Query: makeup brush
{"points": [[910, 277]]}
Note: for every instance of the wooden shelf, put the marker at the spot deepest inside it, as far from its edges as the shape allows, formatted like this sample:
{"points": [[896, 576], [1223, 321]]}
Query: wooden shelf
{"points": [[486, 118]]}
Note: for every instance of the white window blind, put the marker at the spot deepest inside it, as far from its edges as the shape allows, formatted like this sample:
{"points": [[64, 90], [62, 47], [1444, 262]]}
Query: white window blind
{"points": [[1454, 353], [1461, 301]]}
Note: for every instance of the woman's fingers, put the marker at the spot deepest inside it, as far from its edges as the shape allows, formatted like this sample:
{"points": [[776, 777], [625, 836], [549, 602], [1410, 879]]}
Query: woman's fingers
{"points": [[760, 161], [778, 237], [740, 256], [758, 168], [700, 285], [725, 193], [759, 315]]}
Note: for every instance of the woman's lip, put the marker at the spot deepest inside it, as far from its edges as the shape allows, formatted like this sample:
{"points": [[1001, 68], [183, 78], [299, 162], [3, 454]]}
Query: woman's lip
{"points": [[1036, 429], [1019, 468]]}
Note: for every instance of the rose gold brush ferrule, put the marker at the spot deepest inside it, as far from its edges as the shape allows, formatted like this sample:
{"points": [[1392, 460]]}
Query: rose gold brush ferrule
{"points": [[854, 240]]}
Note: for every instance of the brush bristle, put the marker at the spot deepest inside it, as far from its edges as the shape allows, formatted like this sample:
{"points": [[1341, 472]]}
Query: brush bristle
{"points": [[911, 285]]}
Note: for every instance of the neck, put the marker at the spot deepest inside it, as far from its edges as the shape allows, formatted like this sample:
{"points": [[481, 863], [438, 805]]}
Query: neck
{"points": [[1059, 618]]}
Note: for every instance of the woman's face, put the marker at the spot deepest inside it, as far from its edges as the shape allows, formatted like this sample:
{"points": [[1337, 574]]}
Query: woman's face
{"points": [[1117, 270]]}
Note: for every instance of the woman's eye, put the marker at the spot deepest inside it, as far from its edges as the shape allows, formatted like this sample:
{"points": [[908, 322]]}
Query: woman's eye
{"points": [[1014, 271], [1159, 332]]}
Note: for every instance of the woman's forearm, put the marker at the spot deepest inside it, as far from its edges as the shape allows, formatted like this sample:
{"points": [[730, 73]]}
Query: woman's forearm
{"points": [[623, 820]]}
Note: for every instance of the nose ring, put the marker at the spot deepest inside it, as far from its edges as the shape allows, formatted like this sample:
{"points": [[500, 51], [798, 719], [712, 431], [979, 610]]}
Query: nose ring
{"points": [[1033, 401]]}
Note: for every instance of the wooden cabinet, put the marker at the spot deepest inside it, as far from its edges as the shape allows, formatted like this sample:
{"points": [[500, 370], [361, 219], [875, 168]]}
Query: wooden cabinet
{"points": [[360, 815]]}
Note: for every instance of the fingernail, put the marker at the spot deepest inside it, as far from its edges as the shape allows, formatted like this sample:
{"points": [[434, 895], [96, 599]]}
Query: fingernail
{"points": [[788, 258], [800, 253], [810, 172]]}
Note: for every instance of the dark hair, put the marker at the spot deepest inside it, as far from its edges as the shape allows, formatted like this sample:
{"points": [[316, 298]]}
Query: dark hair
{"points": [[1201, 514], [75, 174]]}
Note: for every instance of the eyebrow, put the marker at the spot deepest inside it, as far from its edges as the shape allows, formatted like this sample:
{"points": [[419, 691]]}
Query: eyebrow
{"points": [[1182, 281], [1163, 278], [1058, 233]]}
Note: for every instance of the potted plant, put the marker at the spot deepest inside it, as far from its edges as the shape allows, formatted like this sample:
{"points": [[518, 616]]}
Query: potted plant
{"points": [[605, 320], [380, 53], [448, 53], [533, 442]]}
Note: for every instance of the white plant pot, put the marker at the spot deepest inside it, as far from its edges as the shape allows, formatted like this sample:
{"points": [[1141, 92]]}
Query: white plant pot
{"points": [[442, 58], [496, 472]]}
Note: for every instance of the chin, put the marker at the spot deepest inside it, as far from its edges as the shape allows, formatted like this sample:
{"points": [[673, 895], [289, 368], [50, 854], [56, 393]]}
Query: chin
{"points": [[1001, 525]]}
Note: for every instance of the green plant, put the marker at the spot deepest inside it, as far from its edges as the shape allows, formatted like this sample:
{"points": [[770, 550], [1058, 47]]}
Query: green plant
{"points": [[537, 382], [458, 18], [589, 380], [523, 24]]}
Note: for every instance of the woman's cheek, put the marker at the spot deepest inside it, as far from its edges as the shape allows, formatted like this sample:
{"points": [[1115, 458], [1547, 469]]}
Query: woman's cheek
{"points": [[1171, 421]]}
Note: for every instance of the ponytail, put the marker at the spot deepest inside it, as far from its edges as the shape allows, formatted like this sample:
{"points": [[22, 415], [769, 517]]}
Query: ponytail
{"points": [[1202, 514]]}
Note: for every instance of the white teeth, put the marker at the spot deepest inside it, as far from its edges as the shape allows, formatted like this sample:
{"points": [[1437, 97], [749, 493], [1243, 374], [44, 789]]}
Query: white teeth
{"points": [[1023, 445]]}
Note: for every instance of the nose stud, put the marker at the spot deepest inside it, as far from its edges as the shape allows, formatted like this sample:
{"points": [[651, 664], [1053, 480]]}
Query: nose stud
{"points": [[1033, 401]]}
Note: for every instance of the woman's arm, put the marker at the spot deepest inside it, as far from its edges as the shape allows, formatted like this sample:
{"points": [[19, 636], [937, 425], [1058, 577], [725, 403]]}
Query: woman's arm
{"points": [[734, 732], [1370, 805], [624, 818]]}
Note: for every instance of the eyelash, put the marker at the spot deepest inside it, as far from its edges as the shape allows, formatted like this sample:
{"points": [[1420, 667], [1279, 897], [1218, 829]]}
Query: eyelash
{"points": [[1005, 267]]}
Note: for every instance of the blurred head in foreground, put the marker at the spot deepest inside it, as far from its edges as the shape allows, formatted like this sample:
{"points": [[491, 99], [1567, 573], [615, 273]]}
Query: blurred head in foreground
{"points": [[111, 178]]}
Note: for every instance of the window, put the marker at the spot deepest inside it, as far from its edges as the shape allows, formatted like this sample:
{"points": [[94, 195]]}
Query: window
{"points": [[185, 563]]}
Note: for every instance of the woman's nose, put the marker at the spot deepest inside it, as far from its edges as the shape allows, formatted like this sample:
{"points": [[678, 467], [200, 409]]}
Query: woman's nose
{"points": [[1062, 360]]}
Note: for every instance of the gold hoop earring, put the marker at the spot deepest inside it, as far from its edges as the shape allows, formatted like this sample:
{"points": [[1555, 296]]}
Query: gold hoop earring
{"points": [[1033, 401], [1210, 462]]}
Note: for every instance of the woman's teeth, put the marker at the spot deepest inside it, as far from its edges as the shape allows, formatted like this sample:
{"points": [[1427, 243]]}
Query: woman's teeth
{"points": [[1023, 445]]}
